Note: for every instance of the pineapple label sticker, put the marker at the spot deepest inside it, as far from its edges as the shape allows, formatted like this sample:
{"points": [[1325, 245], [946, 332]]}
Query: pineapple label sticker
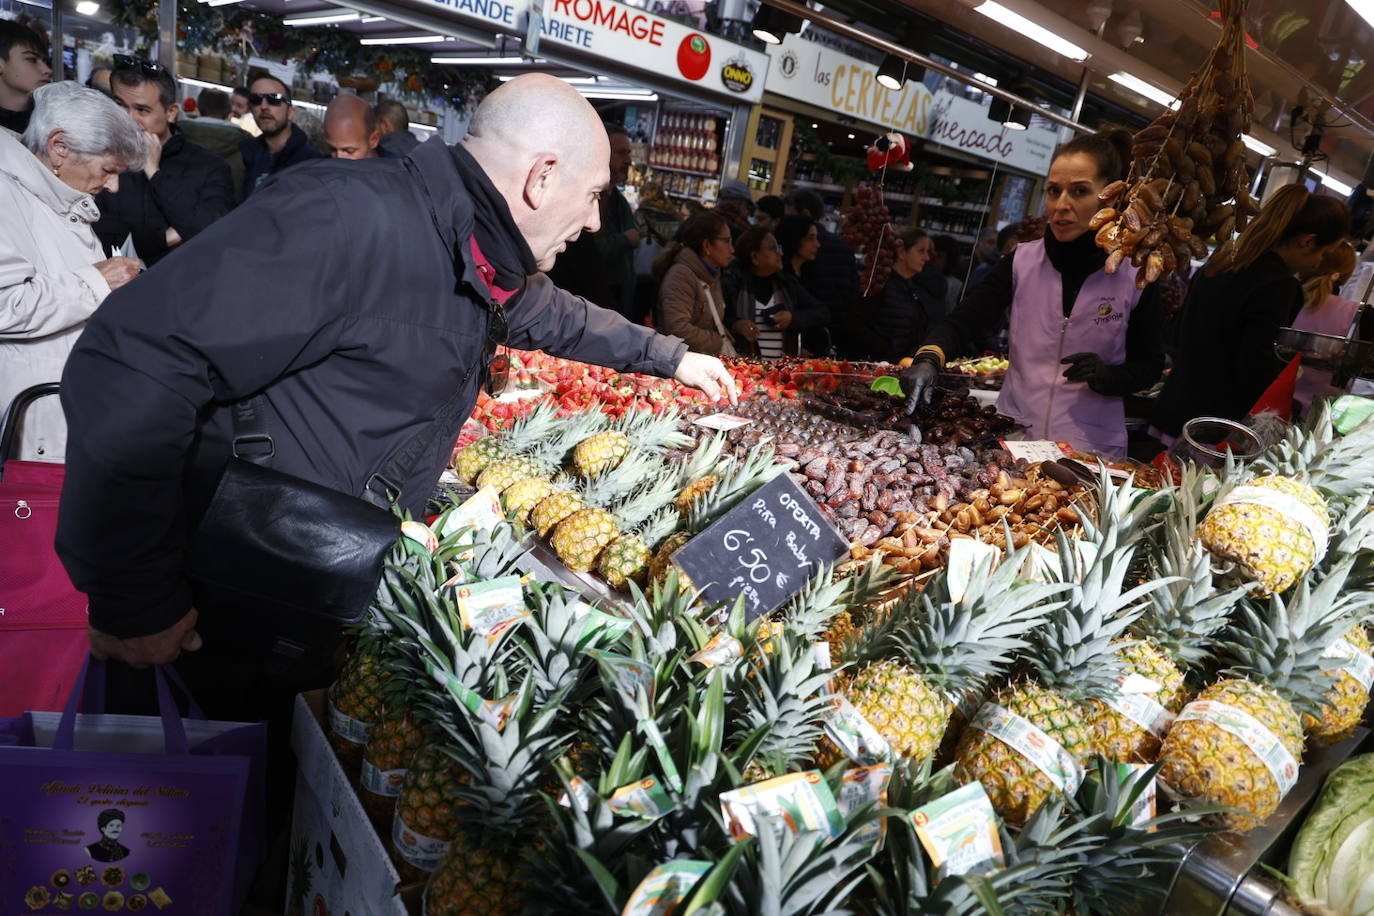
{"points": [[1266, 746], [80, 838], [1022, 736], [959, 832], [665, 887], [1134, 701], [800, 802], [766, 548], [1357, 664]]}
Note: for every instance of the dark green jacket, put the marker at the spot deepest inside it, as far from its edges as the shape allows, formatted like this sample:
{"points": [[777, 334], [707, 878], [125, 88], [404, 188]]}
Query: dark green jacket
{"points": [[222, 139]]}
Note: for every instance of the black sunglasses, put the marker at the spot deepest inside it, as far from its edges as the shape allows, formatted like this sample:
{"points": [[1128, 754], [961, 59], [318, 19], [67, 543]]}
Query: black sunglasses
{"points": [[129, 62], [272, 98], [498, 361]]}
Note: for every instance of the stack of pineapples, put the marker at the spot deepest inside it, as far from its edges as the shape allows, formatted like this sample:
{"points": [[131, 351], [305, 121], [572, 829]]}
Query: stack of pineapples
{"points": [[554, 765]]}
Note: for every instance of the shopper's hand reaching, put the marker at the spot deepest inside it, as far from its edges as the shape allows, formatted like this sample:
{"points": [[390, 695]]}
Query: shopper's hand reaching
{"points": [[118, 271], [918, 381], [1085, 367], [697, 370], [156, 649]]}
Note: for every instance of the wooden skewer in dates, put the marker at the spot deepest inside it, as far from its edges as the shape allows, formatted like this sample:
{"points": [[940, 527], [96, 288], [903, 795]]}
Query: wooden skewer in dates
{"points": [[1188, 179]]}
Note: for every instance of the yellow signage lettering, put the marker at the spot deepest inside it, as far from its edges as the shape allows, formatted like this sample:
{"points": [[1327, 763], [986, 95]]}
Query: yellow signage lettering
{"points": [[887, 103], [849, 90], [835, 99]]}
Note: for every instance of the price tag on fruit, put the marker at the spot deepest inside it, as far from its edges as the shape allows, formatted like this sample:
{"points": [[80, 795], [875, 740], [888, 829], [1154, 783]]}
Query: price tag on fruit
{"points": [[722, 422], [766, 548], [1034, 450]]}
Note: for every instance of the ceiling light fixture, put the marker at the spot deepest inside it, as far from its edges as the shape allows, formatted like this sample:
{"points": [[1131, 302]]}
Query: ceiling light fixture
{"points": [[1258, 146], [403, 40], [483, 61], [625, 96], [87, 8], [892, 72], [320, 18], [570, 80], [1140, 87], [1035, 32], [851, 136], [999, 110], [1019, 119], [771, 24], [984, 78], [1335, 184], [221, 2]]}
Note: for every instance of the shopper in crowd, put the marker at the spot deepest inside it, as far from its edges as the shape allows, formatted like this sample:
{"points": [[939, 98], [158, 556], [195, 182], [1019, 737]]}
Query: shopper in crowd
{"points": [[1324, 312], [768, 211], [394, 122], [53, 273], [736, 204], [946, 260], [766, 307], [215, 132], [800, 238], [599, 266], [240, 115], [182, 187], [282, 144], [658, 220], [1233, 312], [691, 303], [99, 79], [1081, 339], [355, 318], [312, 125], [986, 248], [833, 277], [23, 68], [350, 129], [1006, 241], [896, 316]]}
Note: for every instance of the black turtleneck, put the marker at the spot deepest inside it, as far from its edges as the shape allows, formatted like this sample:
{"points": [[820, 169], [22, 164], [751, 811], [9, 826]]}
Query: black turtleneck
{"points": [[16, 121], [497, 234], [985, 306]]}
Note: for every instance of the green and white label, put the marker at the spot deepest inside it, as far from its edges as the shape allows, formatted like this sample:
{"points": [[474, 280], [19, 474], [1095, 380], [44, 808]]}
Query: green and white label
{"points": [[1357, 664], [854, 735], [386, 783], [1292, 508], [720, 650], [645, 798], [491, 608], [423, 852], [802, 801], [861, 786], [481, 512], [959, 832], [665, 887], [1262, 742], [1022, 736], [347, 727], [1134, 701]]}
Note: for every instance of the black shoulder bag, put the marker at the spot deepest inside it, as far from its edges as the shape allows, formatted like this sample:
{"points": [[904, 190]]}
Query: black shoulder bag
{"points": [[276, 543]]}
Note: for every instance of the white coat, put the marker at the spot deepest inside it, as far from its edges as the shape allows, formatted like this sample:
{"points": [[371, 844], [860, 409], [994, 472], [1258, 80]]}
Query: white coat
{"points": [[48, 287]]}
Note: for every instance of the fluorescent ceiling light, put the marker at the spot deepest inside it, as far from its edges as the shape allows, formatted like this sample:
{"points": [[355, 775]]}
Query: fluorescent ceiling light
{"points": [[483, 61], [984, 78], [624, 94], [1340, 187], [87, 8], [1365, 8], [403, 40], [320, 18], [373, 19], [221, 2], [1037, 33], [1140, 87], [1258, 146], [423, 127], [570, 80]]}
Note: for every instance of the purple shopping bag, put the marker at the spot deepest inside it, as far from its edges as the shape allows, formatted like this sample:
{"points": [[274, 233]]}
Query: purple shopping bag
{"points": [[128, 813]]}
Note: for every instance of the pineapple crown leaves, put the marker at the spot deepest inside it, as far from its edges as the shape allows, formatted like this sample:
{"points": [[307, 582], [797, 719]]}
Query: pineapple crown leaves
{"points": [[553, 639], [648, 431], [1282, 645], [828, 594], [530, 429], [1183, 617], [738, 478], [703, 460], [606, 488], [1124, 512], [1338, 466], [653, 496], [786, 698]]}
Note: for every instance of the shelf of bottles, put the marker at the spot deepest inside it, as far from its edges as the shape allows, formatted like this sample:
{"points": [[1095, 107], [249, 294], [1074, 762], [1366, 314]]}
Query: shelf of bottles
{"points": [[688, 142]]}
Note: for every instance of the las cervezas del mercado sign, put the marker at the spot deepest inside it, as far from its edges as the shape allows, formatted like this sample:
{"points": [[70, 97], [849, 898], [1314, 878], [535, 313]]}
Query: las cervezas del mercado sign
{"points": [[832, 80], [631, 37]]}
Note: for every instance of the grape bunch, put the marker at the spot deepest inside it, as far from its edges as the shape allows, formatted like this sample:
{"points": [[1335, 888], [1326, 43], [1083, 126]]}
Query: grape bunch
{"points": [[867, 228]]}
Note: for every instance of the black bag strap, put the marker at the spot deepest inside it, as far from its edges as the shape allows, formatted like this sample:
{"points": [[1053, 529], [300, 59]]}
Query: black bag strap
{"points": [[9, 424]]}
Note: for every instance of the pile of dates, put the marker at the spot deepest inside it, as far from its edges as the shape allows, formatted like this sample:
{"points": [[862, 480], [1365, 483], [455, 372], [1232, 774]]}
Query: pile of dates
{"points": [[863, 484], [951, 417]]}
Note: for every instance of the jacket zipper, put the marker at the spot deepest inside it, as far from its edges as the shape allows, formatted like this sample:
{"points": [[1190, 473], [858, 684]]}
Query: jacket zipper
{"points": [[1058, 377]]}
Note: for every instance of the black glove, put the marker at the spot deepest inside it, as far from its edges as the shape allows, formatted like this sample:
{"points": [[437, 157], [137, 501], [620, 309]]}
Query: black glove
{"points": [[1086, 367], [918, 381]]}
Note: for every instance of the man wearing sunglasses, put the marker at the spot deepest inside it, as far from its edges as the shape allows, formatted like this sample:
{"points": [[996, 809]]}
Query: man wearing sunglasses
{"points": [[282, 143], [182, 188]]}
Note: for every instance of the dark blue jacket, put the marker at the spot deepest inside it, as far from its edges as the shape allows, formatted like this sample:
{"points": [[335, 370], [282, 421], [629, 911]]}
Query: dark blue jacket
{"points": [[833, 278], [351, 298], [259, 163]]}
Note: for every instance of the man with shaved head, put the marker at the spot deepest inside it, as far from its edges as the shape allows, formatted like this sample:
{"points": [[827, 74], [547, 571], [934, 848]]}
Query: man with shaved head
{"points": [[350, 129], [359, 309]]}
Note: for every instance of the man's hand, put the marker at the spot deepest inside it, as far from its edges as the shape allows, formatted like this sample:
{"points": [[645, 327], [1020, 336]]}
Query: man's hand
{"points": [[918, 381], [118, 271], [172, 237], [698, 370], [157, 649], [153, 162], [633, 236]]}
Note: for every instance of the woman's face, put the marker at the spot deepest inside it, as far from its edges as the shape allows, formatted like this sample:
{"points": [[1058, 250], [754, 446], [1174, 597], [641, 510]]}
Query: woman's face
{"points": [[768, 259], [918, 255], [719, 251], [89, 174], [1071, 195], [810, 244]]}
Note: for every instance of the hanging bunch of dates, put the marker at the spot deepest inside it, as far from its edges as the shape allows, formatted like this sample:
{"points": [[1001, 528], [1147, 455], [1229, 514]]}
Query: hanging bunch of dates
{"points": [[1188, 183]]}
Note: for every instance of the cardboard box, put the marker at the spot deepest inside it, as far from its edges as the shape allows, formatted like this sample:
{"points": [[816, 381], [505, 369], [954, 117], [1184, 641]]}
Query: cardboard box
{"points": [[331, 838]]}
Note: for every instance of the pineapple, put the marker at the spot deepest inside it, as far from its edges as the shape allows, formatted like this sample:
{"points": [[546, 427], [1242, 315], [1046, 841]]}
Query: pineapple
{"points": [[1270, 547], [636, 431], [539, 463], [1345, 702], [354, 701], [1073, 661], [473, 459], [579, 539], [520, 498], [698, 474], [1276, 674], [645, 519], [552, 509], [427, 813], [503, 472], [386, 757]]}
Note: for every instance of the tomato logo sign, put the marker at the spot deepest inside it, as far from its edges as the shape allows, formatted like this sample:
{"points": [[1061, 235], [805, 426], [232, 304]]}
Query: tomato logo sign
{"points": [[693, 57]]}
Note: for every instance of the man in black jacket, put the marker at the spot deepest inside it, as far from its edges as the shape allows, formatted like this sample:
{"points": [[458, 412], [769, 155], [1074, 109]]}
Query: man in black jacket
{"points": [[356, 319], [833, 277], [182, 189], [282, 143]]}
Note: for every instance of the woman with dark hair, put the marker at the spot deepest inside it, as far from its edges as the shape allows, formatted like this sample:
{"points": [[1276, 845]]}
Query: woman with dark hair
{"points": [[1081, 339], [690, 300], [766, 306], [1233, 312], [801, 242], [895, 317]]}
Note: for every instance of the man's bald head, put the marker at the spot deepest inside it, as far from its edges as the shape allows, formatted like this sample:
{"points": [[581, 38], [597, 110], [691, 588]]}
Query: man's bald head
{"points": [[544, 148], [350, 128]]}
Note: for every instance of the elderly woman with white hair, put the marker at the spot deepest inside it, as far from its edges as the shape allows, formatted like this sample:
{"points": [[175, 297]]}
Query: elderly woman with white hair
{"points": [[53, 272]]}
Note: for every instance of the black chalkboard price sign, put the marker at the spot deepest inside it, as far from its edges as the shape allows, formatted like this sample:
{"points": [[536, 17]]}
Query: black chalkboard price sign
{"points": [[766, 548]]}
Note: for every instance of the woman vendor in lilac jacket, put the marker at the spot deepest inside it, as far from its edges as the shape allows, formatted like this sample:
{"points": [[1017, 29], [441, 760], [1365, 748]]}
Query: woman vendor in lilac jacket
{"points": [[1081, 339]]}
